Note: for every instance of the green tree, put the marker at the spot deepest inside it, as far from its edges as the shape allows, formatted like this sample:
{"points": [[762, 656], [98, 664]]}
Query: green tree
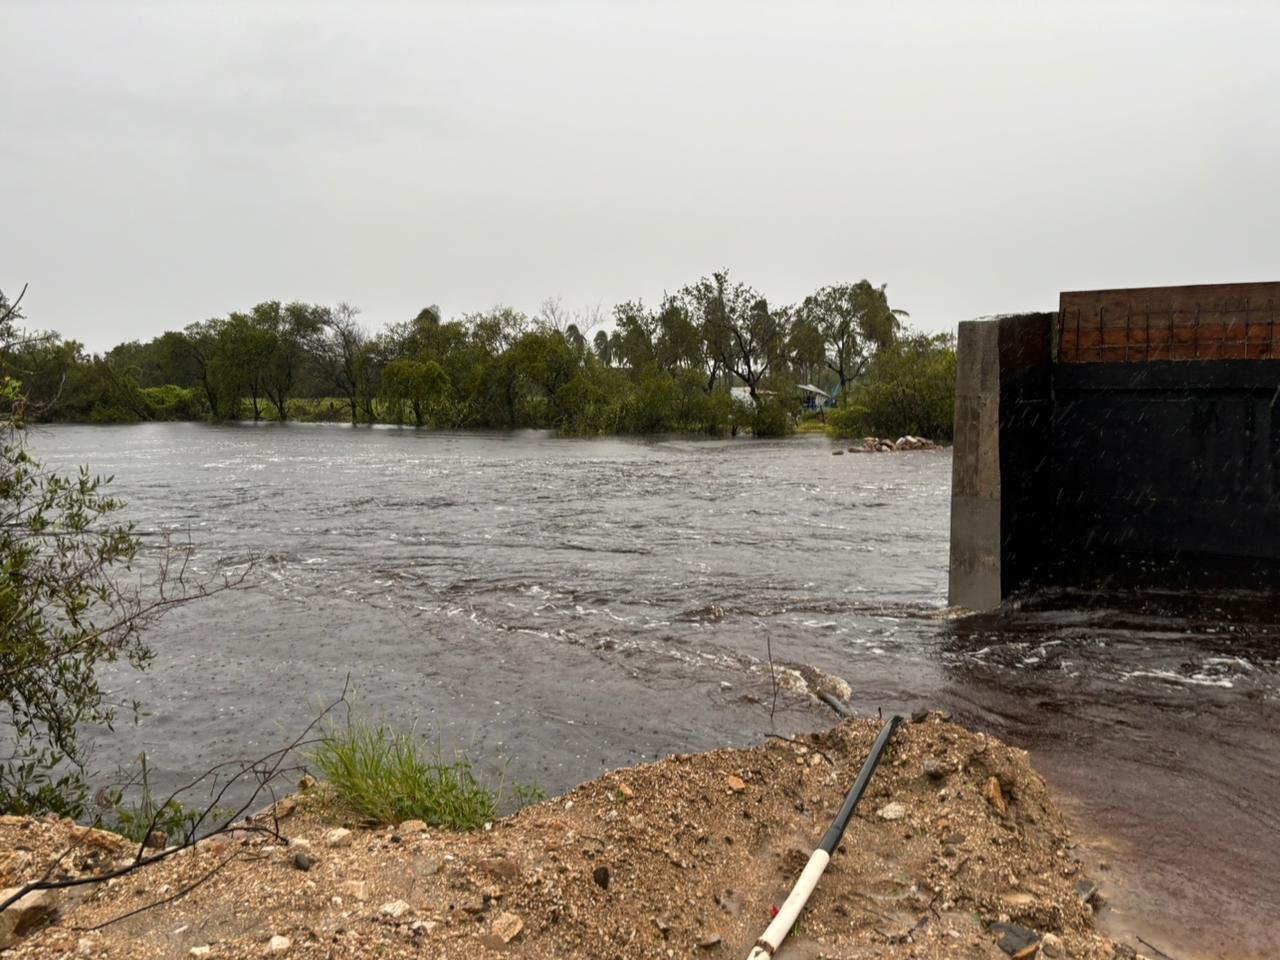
{"points": [[851, 322], [244, 351], [743, 336], [198, 349], [909, 388], [63, 610], [62, 613], [287, 332], [602, 343], [677, 345], [421, 384], [339, 351], [634, 333]]}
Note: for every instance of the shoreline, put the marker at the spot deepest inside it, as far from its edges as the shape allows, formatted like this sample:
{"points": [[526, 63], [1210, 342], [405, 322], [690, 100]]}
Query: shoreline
{"points": [[684, 856]]}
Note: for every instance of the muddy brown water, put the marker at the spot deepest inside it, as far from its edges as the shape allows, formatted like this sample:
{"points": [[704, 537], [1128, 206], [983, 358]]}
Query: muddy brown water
{"points": [[578, 605]]}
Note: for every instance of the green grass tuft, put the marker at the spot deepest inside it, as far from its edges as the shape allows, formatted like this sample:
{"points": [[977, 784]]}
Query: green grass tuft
{"points": [[390, 776]]}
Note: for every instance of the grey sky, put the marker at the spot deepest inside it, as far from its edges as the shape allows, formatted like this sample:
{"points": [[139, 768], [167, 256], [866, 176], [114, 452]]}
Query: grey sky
{"points": [[162, 163]]}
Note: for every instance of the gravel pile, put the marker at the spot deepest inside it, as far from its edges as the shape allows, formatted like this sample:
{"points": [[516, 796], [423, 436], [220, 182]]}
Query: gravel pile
{"points": [[957, 851]]}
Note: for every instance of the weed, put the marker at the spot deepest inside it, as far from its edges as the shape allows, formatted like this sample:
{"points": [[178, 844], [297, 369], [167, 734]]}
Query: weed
{"points": [[390, 776], [137, 821], [527, 794]]}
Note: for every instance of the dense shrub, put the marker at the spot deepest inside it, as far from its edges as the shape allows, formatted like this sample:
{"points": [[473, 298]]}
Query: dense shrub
{"points": [[772, 417], [174, 403], [909, 388]]}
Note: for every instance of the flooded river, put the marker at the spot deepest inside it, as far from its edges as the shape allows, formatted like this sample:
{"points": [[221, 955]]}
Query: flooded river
{"points": [[577, 605]]}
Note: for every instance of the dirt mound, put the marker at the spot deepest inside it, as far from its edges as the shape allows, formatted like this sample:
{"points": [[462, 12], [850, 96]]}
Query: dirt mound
{"points": [[681, 858]]}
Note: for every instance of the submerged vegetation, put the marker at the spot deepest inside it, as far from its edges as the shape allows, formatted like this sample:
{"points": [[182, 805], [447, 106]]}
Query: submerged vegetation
{"points": [[715, 358]]}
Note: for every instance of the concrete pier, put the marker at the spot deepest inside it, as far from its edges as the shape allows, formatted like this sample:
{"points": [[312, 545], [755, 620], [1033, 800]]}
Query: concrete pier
{"points": [[1000, 453], [1132, 438]]}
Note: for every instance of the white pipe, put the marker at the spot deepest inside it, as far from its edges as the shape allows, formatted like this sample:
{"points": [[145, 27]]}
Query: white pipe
{"points": [[781, 925]]}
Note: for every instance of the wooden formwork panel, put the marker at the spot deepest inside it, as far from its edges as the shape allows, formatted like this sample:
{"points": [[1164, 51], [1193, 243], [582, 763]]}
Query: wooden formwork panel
{"points": [[1226, 321]]}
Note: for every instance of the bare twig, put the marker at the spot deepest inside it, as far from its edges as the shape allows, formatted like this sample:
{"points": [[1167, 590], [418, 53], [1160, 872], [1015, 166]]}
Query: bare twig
{"points": [[157, 903], [12, 308], [1148, 943], [773, 677], [172, 587], [265, 770]]}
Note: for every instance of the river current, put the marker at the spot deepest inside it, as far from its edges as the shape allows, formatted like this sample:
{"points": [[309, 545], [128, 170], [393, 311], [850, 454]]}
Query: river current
{"points": [[578, 605]]}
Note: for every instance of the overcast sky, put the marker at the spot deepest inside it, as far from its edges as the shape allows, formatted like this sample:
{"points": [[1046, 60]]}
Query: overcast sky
{"points": [[162, 163]]}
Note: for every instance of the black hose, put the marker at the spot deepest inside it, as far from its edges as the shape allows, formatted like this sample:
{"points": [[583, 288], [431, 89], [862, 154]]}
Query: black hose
{"points": [[831, 839]]}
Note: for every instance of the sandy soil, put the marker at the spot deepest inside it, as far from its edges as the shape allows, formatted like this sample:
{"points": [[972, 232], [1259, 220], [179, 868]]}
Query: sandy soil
{"points": [[685, 857]]}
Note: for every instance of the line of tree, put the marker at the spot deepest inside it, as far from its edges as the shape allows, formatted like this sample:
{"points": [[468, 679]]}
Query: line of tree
{"points": [[669, 368]]}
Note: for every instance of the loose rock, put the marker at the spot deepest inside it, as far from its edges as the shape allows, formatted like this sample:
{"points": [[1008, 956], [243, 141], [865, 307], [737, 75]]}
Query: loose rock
{"points": [[338, 837], [995, 796], [279, 944], [892, 811], [507, 926], [357, 889], [601, 876], [500, 868], [735, 783], [31, 912], [1018, 942], [394, 909]]}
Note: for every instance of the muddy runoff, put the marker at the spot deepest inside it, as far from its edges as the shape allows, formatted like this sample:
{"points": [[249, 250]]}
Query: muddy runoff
{"points": [[563, 608]]}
